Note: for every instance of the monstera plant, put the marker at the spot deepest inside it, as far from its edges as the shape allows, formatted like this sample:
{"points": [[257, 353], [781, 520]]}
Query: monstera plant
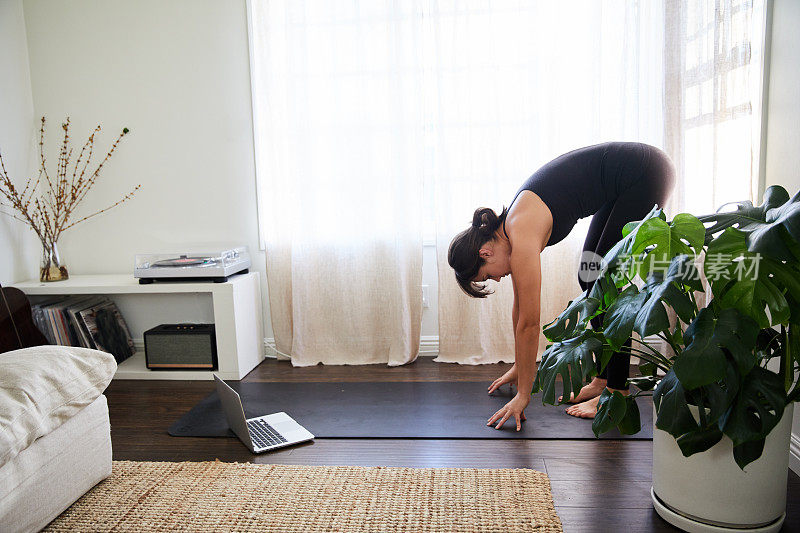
{"points": [[734, 360]]}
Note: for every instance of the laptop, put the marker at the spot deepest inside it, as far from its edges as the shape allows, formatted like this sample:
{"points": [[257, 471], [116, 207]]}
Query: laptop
{"points": [[262, 433]]}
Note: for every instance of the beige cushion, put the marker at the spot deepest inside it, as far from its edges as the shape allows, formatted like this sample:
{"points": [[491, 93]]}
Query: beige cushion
{"points": [[44, 386], [57, 469]]}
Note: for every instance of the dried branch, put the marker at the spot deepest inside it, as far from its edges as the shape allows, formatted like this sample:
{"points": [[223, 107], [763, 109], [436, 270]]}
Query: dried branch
{"points": [[47, 205], [50, 192], [84, 188], [124, 199], [12, 215]]}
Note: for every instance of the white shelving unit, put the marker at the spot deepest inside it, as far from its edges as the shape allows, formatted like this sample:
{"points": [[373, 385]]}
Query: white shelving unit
{"points": [[237, 310]]}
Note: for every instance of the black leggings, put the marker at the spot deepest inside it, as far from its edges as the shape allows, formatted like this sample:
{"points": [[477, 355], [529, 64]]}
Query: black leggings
{"points": [[652, 187]]}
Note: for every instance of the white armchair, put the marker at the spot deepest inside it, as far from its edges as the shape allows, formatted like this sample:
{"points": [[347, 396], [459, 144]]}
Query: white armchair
{"points": [[55, 439]]}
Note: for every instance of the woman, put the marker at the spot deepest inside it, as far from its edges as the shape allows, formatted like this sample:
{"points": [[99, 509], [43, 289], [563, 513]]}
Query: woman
{"points": [[616, 183]]}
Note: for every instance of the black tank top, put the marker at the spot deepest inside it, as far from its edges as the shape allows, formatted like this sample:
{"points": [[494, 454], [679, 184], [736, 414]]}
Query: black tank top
{"points": [[577, 184]]}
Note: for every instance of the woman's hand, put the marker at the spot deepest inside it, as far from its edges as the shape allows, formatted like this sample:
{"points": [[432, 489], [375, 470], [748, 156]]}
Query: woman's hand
{"points": [[513, 408], [508, 377]]}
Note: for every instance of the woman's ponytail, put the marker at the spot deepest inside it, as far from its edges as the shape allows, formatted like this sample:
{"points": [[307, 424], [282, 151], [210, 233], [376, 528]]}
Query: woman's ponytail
{"points": [[486, 222]]}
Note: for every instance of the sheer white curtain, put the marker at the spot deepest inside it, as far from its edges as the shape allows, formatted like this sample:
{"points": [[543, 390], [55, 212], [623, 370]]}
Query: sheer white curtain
{"points": [[714, 81], [363, 108], [517, 84], [339, 153]]}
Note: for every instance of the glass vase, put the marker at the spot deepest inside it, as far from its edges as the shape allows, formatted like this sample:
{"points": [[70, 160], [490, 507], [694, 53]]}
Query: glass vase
{"points": [[52, 269]]}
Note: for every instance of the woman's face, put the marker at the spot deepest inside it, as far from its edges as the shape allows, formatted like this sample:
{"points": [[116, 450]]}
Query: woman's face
{"points": [[498, 262]]}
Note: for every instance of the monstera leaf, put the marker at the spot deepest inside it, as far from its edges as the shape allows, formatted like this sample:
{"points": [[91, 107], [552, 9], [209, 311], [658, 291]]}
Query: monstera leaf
{"points": [[610, 411], [622, 250], [652, 318], [644, 311], [673, 414], [717, 397], [574, 317], [747, 452], [699, 440], [620, 316], [757, 410], [658, 242], [687, 235], [668, 289], [616, 410], [786, 275], [703, 361], [782, 225], [774, 197], [772, 229], [573, 360], [652, 246], [605, 289], [740, 280]]}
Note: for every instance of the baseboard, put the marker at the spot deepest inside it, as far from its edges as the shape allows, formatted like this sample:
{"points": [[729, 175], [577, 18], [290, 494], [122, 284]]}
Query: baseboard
{"points": [[794, 453], [428, 347]]}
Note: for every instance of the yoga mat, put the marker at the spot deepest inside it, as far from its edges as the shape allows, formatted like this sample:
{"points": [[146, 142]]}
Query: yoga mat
{"points": [[397, 410]]}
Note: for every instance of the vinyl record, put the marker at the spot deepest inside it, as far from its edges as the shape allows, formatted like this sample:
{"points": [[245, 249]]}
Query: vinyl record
{"points": [[184, 261]]}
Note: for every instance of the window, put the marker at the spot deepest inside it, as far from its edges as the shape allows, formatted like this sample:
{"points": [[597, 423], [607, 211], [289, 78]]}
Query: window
{"points": [[717, 75]]}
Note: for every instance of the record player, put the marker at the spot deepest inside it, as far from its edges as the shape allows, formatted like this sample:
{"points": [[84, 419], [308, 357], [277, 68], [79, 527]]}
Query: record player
{"points": [[195, 266]]}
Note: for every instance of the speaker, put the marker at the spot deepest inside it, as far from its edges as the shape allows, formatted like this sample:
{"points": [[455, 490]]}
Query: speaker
{"points": [[181, 347]]}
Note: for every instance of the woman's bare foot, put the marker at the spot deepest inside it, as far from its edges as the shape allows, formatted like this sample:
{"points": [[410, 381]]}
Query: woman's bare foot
{"points": [[588, 408], [587, 392]]}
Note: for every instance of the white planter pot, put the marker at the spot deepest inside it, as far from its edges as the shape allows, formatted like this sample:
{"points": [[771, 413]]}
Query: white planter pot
{"points": [[709, 492]]}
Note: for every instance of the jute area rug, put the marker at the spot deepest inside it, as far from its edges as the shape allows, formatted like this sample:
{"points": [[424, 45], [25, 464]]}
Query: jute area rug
{"points": [[215, 496]]}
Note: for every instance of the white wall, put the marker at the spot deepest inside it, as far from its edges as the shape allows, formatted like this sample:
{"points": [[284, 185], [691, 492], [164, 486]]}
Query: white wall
{"points": [[177, 75], [18, 245], [783, 126]]}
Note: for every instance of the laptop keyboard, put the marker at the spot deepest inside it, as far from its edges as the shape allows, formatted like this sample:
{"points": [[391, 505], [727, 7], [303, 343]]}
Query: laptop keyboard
{"points": [[263, 434]]}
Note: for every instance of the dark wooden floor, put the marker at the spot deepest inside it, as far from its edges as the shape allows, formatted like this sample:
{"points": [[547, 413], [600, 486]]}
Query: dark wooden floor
{"points": [[598, 486]]}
